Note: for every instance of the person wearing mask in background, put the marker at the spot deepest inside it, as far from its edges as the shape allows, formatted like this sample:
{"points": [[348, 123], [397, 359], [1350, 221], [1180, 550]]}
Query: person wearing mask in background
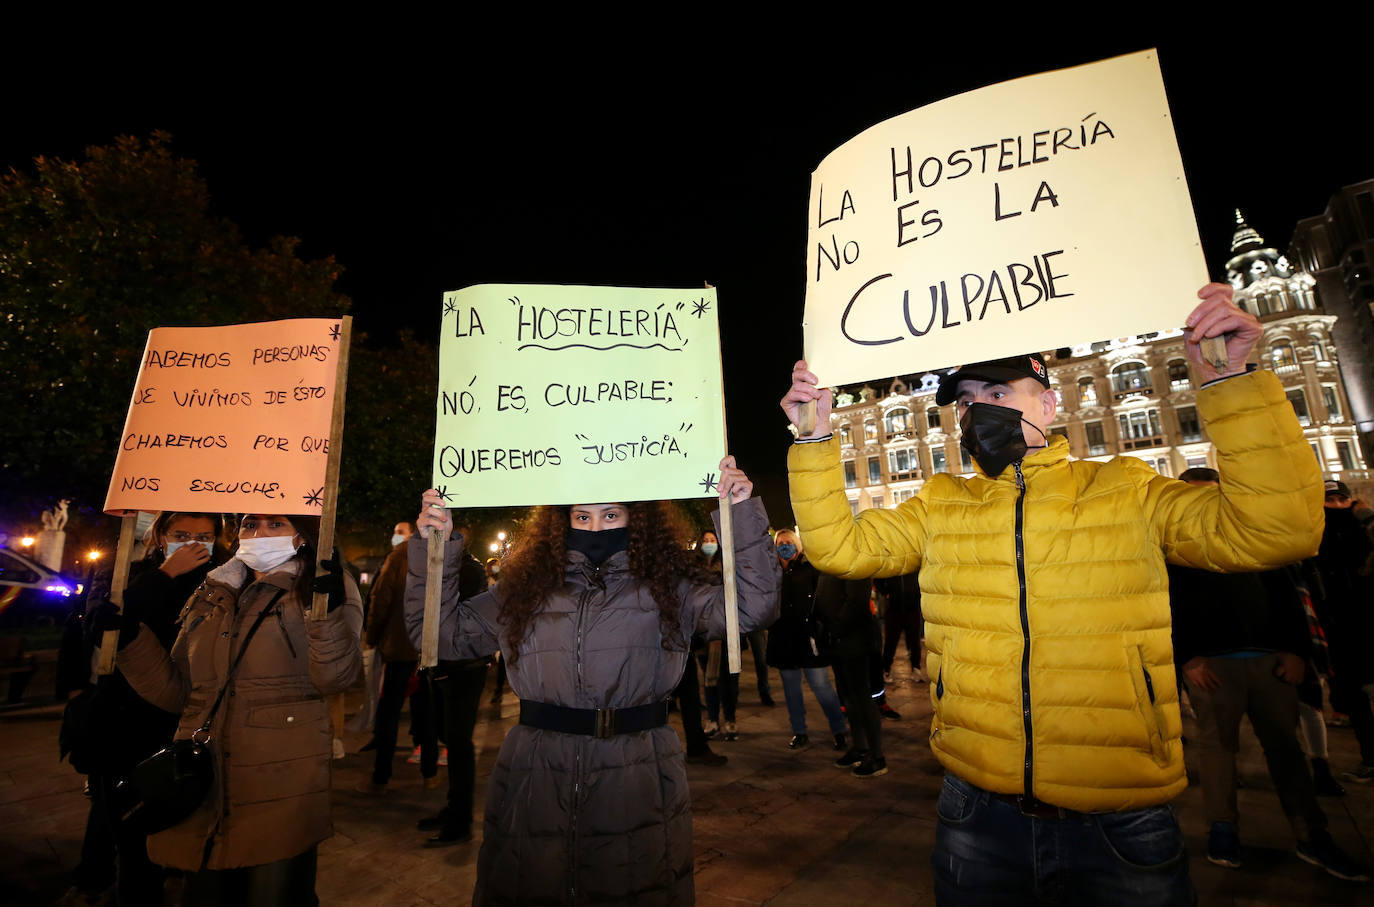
{"points": [[253, 840], [386, 632], [1042, 570], [122, 728], [588, 801], [722, 687], [1243, 643], [794, 650]]}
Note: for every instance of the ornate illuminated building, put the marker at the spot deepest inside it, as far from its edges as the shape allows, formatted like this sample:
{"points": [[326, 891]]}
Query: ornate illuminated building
{"points": [[1132, 395]]}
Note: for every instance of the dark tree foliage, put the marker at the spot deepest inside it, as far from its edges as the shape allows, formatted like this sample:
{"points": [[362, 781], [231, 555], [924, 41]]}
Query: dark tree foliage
{"points": [[93, 254]]}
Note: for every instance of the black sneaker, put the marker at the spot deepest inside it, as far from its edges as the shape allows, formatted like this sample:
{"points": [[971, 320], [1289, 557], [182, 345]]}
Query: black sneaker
{"points": [[870, 768], [448, 837], [1322, 851], [841, 743], [1362, 775], [889, 712], [1223, 845], [766, 700], [851, 758], [1322, 782], [706, 757], [799, 742]]}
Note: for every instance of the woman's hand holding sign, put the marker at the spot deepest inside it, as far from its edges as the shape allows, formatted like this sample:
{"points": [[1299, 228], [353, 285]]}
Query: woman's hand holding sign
{"points": [[433, 515]]}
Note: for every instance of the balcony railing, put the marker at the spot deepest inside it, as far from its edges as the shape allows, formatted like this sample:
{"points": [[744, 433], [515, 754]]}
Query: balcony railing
{"points": [[1142, 443], [1180, 384]]}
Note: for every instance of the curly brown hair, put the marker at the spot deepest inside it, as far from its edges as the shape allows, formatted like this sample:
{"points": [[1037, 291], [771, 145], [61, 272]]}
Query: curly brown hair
{"points": [[658, 559]]}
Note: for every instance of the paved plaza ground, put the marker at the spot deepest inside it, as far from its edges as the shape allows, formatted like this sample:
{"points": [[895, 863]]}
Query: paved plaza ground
{"points": [[772, 826]]}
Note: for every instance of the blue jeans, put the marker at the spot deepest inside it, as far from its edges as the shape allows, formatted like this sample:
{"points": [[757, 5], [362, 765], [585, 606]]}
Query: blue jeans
{"points": [[988, 853], [819, 681]]}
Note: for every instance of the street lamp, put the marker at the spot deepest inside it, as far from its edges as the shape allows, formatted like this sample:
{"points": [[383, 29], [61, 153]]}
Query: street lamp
{"points": [[27, 541], [93, 555]]}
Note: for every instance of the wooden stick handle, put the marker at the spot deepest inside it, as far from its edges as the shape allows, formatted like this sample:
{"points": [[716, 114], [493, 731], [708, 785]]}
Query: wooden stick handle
{"points": [[320, 609], [434, 578], [109, 641], [727, 559], [806, 419], [1213, 350]]}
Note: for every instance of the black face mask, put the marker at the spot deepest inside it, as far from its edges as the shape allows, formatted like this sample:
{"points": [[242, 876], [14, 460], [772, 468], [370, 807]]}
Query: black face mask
{"points": [[598, 546], [993, 436]]}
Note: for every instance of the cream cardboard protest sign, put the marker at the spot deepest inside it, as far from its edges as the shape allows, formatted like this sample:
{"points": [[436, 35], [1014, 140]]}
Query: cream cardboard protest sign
{"points": [[1033, 214], [232, 419], [566, 395]]}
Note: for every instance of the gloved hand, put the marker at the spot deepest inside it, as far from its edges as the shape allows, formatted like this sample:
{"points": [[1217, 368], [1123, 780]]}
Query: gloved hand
{"points": [[106, 616], [331, 582]]}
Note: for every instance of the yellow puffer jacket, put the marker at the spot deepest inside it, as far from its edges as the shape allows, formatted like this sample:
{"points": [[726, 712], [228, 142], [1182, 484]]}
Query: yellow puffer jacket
{"points": [[1067, 690]]}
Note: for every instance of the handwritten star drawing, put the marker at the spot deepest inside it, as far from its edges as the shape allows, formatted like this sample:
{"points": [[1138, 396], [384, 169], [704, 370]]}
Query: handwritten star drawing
{"points": [[450, 307], [708, 483], [700, 307], [443, 493], [313, 498], [334, 332]]}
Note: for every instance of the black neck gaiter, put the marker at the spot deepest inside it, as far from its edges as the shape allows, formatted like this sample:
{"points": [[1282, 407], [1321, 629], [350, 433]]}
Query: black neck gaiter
{"points": [[597, 546]]}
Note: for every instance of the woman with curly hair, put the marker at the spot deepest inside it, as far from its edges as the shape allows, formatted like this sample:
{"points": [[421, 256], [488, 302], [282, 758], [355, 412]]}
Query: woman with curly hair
{"points": [[594, 614]]}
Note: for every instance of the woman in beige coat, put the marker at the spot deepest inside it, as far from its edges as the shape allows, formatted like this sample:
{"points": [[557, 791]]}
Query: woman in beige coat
{"points": [[253, 840]]}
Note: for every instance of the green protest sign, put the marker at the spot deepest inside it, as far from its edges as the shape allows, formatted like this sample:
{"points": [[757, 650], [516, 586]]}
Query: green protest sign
{"points": [[568, 394]]}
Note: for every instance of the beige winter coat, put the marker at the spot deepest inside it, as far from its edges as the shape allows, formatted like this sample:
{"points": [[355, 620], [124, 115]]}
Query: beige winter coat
{"points": [[272, 735]]}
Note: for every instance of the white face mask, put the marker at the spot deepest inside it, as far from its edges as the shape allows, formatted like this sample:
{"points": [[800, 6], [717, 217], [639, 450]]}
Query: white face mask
{"points": [[398, 539], [171, 547], [267, 553]]}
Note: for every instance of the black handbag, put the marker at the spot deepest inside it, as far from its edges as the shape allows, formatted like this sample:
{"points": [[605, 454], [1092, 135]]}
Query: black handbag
{"points": [[164, 789]]}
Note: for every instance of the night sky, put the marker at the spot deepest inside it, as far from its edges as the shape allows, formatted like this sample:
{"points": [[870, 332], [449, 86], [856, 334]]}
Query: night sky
{"points": [[442, 166]]}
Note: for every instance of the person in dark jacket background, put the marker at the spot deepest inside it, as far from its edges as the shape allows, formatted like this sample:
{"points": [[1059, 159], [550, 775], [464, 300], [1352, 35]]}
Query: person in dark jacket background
{"points": [[1242, 641], [903, 616], [850, 639], [588, 801], [122, 728], [1345, 562], [794, 650]]}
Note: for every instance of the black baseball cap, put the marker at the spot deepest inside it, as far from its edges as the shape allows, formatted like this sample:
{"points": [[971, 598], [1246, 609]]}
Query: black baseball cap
{"points": [[1340, 488], [1027, 365]]}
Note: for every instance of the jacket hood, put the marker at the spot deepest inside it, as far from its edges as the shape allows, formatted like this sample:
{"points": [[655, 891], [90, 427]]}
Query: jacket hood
{"points": [[235, 573]]}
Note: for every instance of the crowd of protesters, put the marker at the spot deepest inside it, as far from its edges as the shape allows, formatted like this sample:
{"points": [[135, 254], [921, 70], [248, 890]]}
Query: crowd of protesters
{"points": [[1008, 589]]}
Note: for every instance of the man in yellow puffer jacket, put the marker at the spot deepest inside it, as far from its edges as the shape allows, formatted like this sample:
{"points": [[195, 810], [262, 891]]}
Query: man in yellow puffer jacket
{"points": [[1047, 613]]}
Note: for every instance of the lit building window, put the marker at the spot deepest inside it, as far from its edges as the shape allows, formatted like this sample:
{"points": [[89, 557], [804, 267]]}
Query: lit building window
{"points": [[1097, 442], [870, 431], [898, 421], [1189, 427], [875, 471], [1319, 349], [1178, 375], [1346, 454], [1299, 401], [1087, 392], [937, 460], [933, 418], [1283, 358], [846, 436], [1332, 401], [851, 479], [1130, 377]]}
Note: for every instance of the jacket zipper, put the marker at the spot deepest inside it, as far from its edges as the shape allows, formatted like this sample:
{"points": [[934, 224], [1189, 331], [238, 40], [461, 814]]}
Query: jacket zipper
{"points": [[1025, 627], [577, 757]]}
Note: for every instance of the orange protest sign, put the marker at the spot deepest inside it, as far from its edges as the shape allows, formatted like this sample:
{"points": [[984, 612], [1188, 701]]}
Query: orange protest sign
{"points": [[233, 418]]}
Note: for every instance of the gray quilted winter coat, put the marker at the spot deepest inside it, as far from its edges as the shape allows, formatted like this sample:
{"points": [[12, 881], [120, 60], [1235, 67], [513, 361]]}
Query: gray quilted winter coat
{"points": [[573, 819]]}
